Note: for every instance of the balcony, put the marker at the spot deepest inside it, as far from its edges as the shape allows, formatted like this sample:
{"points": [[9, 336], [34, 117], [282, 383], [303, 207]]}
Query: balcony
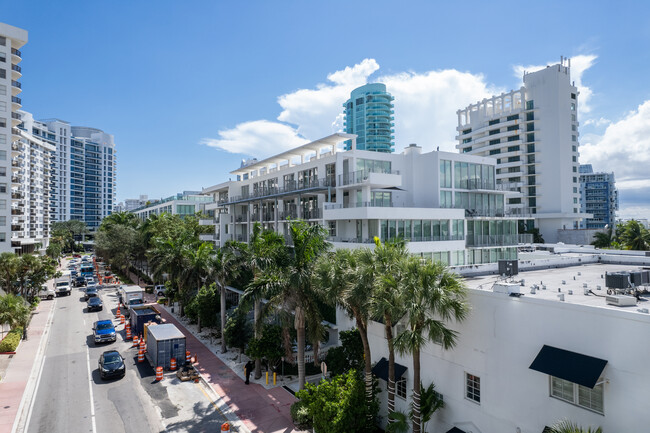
{"points": [[474, 184], [311, 214], [207, 237], [16, 53], [491, 240], [379, 179], [499, 213], [17, 101], [290, 188]]}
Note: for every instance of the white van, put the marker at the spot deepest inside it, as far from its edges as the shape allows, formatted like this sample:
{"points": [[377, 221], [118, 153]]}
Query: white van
{"points": [[46, 293]]}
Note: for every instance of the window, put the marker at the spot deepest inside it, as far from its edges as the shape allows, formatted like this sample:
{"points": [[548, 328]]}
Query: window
{"points": [[574, 148], [3, 187], [573, 106], [3, 138], [513, 148], [591, 399], [400, 387], [574, 158], [467, 131], [513, 127], [574, 138], [467, 140], [575, 170], [530, 116], [513, 117], [495, 151], [513, 138], [530, 105], [494, 122], [573, 96], [3, 73], [3, 221], [495, 131], [3, 89], [530, 137], [3, 237], [473, 388], [3, 204], [497, 141], [3, 123], [531, 148]]}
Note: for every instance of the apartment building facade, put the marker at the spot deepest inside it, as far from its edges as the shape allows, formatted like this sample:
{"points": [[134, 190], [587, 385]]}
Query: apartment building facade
{"points": [[446, 205], [183, 204], [532, 132], [598, 197], [369, 115]]}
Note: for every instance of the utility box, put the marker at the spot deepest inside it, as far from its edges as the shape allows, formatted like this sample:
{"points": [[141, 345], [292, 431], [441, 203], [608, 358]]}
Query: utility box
{"points": [[165, 342], [141, 314]]}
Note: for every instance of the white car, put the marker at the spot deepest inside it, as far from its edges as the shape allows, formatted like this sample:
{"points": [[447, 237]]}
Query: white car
{"points": [[160, 290], [46, 293]]}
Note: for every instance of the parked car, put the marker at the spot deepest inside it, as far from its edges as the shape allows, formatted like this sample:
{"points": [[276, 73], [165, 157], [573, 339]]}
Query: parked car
{"points": [[104, 331], [159, 290], [91, 292], [46, 293], [95, 304], [111, 364]]}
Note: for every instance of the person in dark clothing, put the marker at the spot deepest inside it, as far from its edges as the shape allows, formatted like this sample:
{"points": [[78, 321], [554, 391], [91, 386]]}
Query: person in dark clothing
{"points": [[248, 369]]}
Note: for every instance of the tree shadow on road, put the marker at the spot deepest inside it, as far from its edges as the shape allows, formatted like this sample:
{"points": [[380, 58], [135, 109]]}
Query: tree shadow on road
{"points": [[206, 419]]}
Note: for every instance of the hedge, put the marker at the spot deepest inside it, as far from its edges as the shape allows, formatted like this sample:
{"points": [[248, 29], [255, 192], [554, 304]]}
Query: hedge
{"points": [[11, 341]]}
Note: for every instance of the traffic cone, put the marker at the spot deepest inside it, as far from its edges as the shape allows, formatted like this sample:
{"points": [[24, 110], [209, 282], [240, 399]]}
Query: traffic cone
{"points": [[135, 341]]}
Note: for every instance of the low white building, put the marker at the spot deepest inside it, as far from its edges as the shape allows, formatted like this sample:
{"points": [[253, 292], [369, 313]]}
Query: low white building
{"points": [[526, 359], [447, 205], [183, 204]]}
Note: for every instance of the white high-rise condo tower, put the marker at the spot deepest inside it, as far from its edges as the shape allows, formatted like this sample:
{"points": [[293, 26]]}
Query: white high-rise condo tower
{"points": [[532, 132]]}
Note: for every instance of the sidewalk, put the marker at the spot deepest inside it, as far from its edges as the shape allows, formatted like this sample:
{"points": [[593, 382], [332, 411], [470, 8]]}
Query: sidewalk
{"points": [[20, 368], [261, 410]]}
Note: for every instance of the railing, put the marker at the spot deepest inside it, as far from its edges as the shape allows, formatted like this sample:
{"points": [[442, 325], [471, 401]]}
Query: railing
{"points": [[16, 99], [16, 68], [16, 52], [293, 214], [289, 187], [374, 203], [469, 213], [359, 176], [508, 186], [525, 238], [476, 184], [15, 179], [311, 214], [16, 116], [16, 84], [491, 240]]}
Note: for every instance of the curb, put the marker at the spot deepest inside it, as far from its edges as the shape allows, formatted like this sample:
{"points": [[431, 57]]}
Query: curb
{"points": [[223, 408]]}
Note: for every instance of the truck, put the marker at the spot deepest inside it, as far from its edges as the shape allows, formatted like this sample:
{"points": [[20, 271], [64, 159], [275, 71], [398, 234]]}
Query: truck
{"points": [[87, 270], [46, 293], [130, 296], [62, 285]]}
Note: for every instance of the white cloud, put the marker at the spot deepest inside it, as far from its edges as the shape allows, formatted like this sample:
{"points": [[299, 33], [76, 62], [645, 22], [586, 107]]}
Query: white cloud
{"points": [[597, 122], [425, 110], [579, 65], [259, 138], [624, 148]]}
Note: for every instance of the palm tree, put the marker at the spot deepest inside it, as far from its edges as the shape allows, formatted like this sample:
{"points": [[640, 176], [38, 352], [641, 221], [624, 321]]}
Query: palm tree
{"points": [[224, 265], [566, 426], [263, 251], [14, 311], [433, 296], [289, 285], [635, 236], [8, 270], [604, 239], [170, 256], [197, 270], [348, 284]]}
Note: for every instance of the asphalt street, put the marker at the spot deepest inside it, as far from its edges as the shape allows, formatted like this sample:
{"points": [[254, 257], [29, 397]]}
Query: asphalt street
{"points": [[71, 397]]}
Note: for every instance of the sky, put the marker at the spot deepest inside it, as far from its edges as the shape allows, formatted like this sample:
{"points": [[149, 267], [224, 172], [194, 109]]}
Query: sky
{"points": [[191, 88]]}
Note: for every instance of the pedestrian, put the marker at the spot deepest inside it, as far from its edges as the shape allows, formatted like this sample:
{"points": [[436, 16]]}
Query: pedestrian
{"points": [[248, 368]]}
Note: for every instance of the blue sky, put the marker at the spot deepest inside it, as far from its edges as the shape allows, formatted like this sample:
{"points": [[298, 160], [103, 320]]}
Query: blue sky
{"points": [[190, 88]]}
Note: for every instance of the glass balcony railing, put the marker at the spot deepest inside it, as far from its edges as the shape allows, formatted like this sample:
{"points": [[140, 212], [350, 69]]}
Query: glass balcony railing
{"points": [[16, 52], [16, 68]]}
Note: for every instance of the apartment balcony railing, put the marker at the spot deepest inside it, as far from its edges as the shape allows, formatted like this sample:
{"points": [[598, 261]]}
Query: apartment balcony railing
{"points": [[508, 186], [491, 240], [255, 217], [16, 99], [311, 214], [17, 212], [292, 214], [16, 116], [525, 238], [17, 196], [374, 203], [511, 212], [289, 188], [15, 179], [16, 52], [359, 176], [16, 68], [16, 84]]}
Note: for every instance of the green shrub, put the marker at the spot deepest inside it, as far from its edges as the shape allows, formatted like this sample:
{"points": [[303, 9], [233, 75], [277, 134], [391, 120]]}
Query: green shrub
{"points": [[11, 341], [300, 415]]}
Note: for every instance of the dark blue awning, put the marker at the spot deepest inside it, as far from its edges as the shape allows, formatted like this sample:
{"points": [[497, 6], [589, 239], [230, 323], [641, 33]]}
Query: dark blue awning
{"points": [[381, 370], [574, 367]]}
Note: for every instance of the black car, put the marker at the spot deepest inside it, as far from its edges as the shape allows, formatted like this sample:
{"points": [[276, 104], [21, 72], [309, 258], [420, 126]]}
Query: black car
{"points": [[95, 304], [91, 292], [111, 364], [80, 281]]}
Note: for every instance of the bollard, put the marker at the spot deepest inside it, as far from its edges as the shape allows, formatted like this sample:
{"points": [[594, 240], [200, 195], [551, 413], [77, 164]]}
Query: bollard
{"points": [[188, 357], [274, 375], [225, 427], [172, 364], [159, 374], [136, 343], [140, 355], [267, 377]]}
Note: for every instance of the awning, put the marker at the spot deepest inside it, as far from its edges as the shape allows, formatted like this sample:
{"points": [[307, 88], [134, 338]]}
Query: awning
{"points": [[574, 367], [455, 430], [381, 370]]}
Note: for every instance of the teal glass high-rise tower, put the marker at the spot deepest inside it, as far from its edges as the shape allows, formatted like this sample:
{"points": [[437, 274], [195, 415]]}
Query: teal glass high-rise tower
{"points": [[369, 114]]}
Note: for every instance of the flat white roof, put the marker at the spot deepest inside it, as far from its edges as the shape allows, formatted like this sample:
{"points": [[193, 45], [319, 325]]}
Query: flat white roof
{"points": [[592, 275], [305, 149]]}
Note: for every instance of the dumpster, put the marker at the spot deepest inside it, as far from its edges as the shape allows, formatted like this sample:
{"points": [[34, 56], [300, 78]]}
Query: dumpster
{"points": [[141, 314], [165, 342]]}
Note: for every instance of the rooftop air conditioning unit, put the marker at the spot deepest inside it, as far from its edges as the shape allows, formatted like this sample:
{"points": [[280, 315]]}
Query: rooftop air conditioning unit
{"points": [[621, 301], [507, 288]]}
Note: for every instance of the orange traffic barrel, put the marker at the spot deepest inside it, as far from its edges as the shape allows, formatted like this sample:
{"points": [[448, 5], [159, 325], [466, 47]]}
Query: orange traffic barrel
{"points": [[142, 345], [188, 357], [225, 427], [140, 355], [135, 341], [122, 319], [172, 365], [128, 331], [118, 310], [159, 373]]}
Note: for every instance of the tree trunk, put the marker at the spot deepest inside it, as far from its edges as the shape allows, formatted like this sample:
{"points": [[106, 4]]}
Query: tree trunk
{"points": [[223, 317], [391, 364], [288, 349], [258, 362], [300, 328], [416, 390], [316, 345], [367, 358]]}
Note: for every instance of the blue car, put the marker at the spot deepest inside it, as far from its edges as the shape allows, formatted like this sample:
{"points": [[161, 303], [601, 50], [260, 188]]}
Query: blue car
{"points": [[104, 331]]}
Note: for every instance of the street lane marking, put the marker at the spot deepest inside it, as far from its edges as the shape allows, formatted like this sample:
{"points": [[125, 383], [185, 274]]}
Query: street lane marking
{"points": [[90, 389], [30, 393]]}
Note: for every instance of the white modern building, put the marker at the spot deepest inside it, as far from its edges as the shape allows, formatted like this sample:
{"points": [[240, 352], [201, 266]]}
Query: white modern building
{"points": [[447, 205], [30, 189], [134, 203], [84, 171], [183, 204], [532, 132], [546, 346]]}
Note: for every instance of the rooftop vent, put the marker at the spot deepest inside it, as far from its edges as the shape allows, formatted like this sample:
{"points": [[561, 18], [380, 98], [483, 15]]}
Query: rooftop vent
{"points": [[621, 300]]}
